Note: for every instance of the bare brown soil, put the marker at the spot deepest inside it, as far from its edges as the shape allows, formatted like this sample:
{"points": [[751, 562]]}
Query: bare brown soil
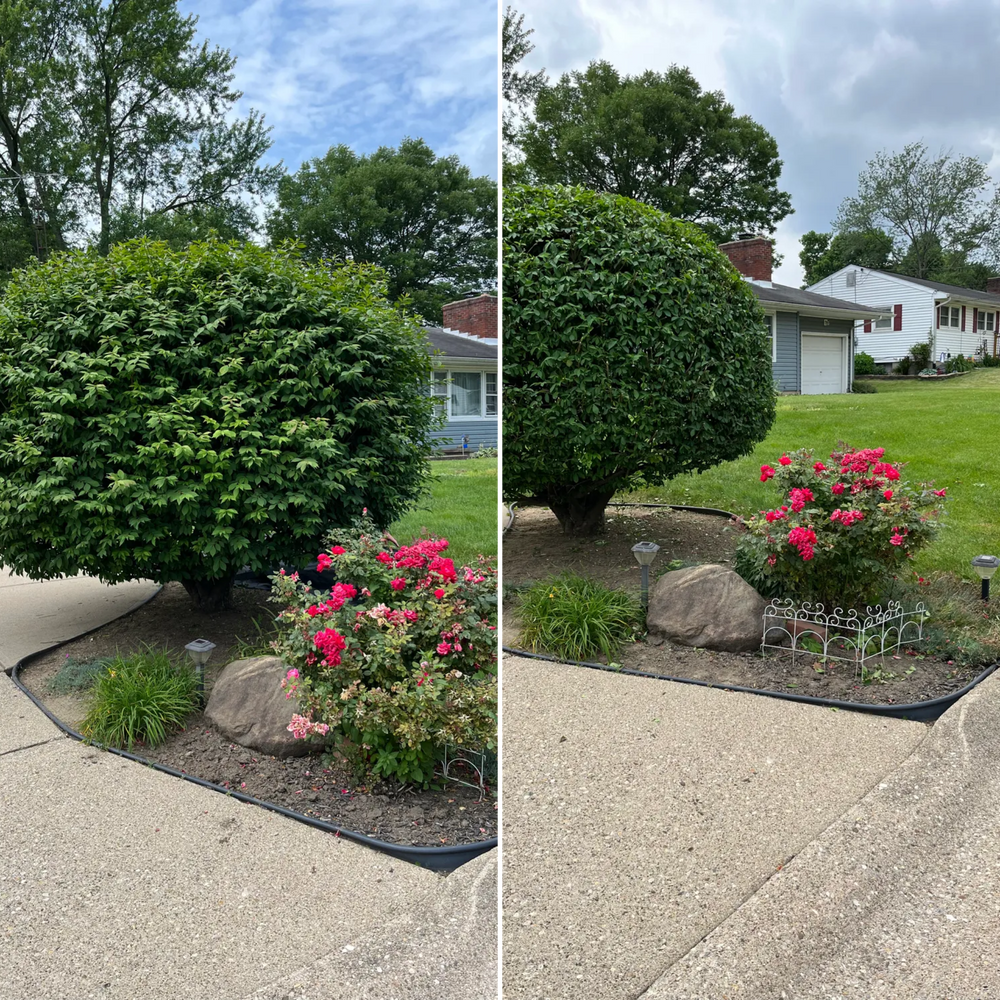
{"points": [[451, 815], [536, 548]]}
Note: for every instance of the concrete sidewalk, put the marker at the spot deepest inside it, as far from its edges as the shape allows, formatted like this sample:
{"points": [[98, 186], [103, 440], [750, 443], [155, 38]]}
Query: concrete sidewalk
{"points": [[117, 881], [639, 815]]}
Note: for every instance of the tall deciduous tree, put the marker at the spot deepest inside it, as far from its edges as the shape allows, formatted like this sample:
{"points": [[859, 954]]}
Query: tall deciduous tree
{"points": [[660, 139], [424, 219], [111, 105], [914, 196], [519, 88], [824, 253]]}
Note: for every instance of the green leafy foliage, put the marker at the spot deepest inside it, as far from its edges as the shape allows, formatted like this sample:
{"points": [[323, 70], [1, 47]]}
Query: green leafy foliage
{"points": [[139, 699], [398, 659], [76, 675], [864, 364], [823, 253], [176, 415], [841, 530], [577, 618], [660, 139], [633, 351], [424, 219]]}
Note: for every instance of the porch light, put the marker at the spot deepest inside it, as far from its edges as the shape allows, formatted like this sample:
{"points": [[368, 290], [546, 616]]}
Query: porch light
{"points": [[645, 553], [985, 567], [199, 651]]}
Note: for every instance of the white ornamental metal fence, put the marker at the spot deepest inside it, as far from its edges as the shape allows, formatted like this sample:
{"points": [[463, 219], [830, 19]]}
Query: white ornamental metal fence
{"points": [[849, 636]]}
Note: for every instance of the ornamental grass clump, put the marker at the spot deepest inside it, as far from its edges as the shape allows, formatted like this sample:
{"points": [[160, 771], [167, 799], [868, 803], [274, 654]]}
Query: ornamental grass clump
{"points": [[841, 530], [398, 659], [139, 699], [577, 618]]}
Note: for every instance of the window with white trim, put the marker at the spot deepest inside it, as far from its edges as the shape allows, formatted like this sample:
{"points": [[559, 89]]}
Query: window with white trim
{"points": [[771, 323], [985, 322], [949, 317], [885, 323], [464, 394]]}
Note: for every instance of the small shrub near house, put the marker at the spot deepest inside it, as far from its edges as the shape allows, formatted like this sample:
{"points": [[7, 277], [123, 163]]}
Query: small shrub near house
{"points": [[864, 364], [398, 659], [841, 530]]}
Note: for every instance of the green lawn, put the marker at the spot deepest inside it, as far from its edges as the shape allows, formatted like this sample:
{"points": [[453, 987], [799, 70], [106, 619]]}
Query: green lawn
{"points": [[462, 507], [946, 431]]}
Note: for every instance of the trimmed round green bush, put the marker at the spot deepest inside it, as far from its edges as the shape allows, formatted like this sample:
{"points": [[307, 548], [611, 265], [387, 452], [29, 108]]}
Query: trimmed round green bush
{"points": [[633, 352], [179, 414], [864, 364]]}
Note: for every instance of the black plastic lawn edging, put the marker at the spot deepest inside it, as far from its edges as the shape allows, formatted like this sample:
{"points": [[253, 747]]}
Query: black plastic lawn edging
{"points": [[440, 859], [921, 711], [714, 511]]}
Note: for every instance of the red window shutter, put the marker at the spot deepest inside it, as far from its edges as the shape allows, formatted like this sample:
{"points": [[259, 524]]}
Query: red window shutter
{"points": [[975, 319], [897, 318], [963, 319], [868, 326]]}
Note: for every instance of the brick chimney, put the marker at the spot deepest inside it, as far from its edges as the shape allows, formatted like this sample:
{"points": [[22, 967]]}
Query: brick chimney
{"points": [[993, 285], [476, 315], [751, 256]]}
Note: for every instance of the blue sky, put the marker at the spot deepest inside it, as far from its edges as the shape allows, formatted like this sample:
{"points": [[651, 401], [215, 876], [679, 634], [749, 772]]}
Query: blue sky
{"points": [[363, 73]]}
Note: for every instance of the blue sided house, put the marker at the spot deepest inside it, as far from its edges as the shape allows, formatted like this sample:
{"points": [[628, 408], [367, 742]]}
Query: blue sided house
{"points": [[466, 381], [813, 336]]}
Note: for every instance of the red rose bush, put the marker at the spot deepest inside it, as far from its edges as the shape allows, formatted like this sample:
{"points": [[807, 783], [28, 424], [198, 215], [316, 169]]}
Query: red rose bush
{"points": [[840, 531], [398, 659]]}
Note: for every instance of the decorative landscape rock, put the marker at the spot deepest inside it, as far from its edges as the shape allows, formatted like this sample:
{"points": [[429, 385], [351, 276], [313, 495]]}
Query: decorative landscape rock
{"points": [[248, 706], [710, 607]]}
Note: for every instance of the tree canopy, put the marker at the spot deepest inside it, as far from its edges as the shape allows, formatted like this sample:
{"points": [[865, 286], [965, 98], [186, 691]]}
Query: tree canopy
{"points": [[518, 88], [110, 106], [633, 352], [424, 219], [824, 253], [660, 139], [926, 204], [177, 415]]}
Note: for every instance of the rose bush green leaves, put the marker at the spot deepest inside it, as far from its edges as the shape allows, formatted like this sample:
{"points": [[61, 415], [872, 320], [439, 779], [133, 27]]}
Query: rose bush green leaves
{"points": [[398, 659], [177, 415], [841, 530], [633, 352]]}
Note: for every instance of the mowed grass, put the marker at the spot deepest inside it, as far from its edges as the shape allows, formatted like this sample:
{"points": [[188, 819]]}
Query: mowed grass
{"points": [[462, 507], [947, 432]]}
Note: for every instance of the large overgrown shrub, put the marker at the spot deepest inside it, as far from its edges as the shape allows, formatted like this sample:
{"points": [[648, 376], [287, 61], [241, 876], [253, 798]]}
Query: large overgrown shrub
{"points": [[633, 351], [177, 415]]}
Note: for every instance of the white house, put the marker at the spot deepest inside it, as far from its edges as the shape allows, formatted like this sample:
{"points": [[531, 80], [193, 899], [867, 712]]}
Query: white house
{"points": [[955, 320]]}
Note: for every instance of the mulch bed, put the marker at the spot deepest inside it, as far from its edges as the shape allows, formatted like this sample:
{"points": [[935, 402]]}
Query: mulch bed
{"points": [[536, 548], [448, 816]]}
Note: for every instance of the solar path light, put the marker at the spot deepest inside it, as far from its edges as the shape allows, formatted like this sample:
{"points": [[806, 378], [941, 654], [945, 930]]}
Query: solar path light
{"points": [[985, 566], [200, 650], [645, 553]]}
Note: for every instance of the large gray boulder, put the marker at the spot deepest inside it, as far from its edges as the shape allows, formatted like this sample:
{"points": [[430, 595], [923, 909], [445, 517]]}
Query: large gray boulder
{"points": [[709, 606], [249, 707]]}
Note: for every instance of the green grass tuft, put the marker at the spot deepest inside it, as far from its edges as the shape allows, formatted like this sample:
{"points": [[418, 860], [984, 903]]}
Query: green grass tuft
{"points": [[139, 698], [76, 675], [577, 619]]}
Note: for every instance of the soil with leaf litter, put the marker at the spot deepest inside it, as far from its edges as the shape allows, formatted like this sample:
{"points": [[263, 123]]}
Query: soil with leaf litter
{"points": [[452, 814], [536, 549]]}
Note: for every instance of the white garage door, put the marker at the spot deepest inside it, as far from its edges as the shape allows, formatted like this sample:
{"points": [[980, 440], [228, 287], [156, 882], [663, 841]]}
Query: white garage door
{"points": [[823, 365]]}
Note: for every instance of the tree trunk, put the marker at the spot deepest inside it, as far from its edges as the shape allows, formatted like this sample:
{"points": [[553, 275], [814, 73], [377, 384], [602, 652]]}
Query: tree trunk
{"points": [[210, 596], [583, 515]]}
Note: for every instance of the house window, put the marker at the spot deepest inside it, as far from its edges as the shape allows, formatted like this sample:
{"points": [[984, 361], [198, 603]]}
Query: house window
{"points": [[769, 322], [884, 324], [461, 394], [985, 322], [949, 317], [491, 394]]}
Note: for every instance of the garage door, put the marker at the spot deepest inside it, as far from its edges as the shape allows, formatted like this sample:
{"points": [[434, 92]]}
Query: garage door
{"points": [[823, 365]]}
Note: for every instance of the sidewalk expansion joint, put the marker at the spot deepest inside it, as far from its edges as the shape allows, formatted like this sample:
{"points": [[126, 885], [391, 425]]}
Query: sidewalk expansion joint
{"points": [[31, 746]]}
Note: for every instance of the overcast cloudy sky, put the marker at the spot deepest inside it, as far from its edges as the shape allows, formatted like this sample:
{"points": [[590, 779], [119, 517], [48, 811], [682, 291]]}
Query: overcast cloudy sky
{"points": [[365, 74], [833, 82]]}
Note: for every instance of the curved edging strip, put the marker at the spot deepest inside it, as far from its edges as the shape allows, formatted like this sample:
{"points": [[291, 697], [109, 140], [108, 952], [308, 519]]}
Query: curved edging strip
{"points": [[679, 506], [921, 711], [511, 517], [443, 859]]}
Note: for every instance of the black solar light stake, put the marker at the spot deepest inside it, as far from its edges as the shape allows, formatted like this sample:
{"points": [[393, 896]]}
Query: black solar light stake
{"points": [[200, 650], [645, 553], [985, 566]]}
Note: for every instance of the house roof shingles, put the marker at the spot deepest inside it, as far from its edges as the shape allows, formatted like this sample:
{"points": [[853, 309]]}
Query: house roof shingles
{"points": [[971, 294], [802, 300], [455, 345]]}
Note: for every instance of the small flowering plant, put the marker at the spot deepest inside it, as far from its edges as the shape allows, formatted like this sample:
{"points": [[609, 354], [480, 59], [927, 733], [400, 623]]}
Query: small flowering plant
{"points": [[842, 527], [398, 658]]}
